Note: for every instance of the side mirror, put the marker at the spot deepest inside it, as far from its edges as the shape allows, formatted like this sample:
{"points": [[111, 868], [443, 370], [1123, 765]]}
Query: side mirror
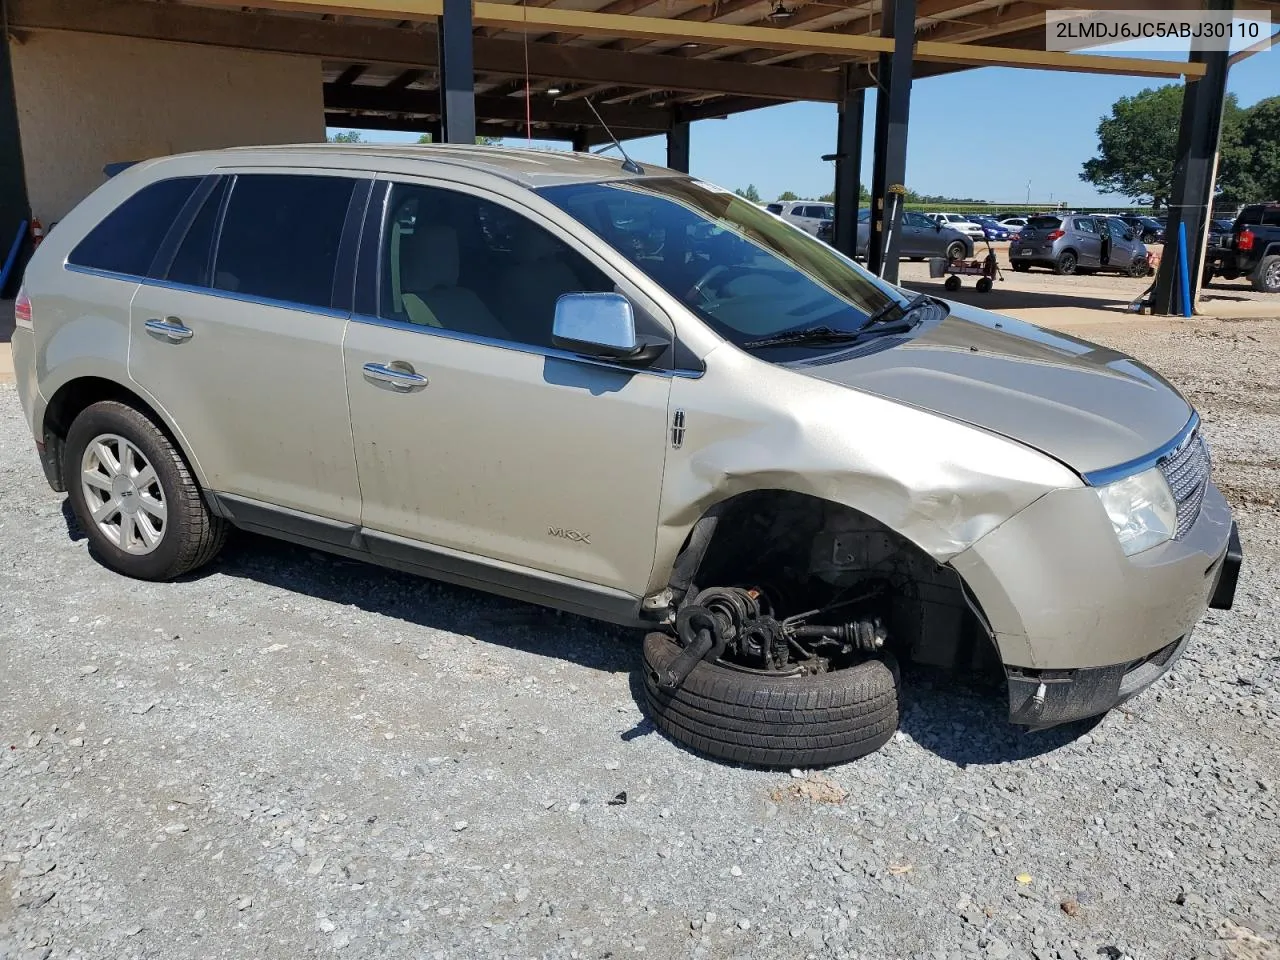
{"points": [[602, 325]]}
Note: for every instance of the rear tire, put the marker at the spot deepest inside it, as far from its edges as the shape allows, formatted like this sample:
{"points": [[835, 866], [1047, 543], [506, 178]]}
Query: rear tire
{"points": [[116, 455], [1021, 266], [769, 721], [1266, 279], [1066, 264], [955, 250]]}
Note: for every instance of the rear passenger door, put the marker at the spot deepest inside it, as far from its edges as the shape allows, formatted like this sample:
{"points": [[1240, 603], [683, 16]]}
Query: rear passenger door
{"points": [[1084, 237], [239, 334]]}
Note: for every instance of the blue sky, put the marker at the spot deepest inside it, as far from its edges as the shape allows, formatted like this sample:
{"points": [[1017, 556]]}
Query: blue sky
{"points": [[981, 133]]}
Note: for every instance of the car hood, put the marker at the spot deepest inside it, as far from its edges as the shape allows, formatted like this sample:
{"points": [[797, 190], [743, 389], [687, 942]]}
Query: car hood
{"points": [[1088, 406]]}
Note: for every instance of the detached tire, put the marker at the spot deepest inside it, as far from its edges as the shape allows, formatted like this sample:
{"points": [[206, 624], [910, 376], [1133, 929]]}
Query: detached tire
{"points": [[774, 721]]}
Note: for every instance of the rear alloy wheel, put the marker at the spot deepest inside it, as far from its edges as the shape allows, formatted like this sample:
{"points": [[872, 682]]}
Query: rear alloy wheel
{"points": [[1066, 264], [765, 720], [1267, 278], [135, 497]]}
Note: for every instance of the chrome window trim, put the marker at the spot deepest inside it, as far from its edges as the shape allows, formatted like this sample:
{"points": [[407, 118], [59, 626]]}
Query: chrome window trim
{"points": [[1099, 478], [519, 347], [210, 291], [96, 272]]}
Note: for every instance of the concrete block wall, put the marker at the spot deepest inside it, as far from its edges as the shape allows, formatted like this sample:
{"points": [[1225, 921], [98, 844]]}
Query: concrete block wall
{"points": [[85, 101]]}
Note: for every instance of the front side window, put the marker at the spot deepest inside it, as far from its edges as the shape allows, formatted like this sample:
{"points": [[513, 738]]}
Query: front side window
{"points": [[459, 262], [280, 237], [1118, 228], [128, 237], [740, 270]]}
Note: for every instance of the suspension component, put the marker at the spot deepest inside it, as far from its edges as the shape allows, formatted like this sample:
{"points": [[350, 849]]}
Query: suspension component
{"points": [[867, 635]]}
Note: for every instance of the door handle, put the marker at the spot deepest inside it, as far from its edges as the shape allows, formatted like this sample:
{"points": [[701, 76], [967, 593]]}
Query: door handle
{"points": [[397, 373], [171, 328]]}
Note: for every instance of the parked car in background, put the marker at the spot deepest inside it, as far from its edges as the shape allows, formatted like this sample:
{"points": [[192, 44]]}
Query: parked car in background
{"points": [[1252, 250], [808, 215], [791, 473], [1071, 244], [995, 230], [1014, 225], [957, 221], [1148, 229], [920, 238], [1219, 231]]}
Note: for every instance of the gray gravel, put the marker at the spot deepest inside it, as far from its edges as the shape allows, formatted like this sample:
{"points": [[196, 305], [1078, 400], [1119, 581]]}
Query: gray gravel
{"points": [[292, 755]]}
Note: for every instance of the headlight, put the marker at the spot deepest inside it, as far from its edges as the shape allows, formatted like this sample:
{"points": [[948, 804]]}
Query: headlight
{"points": [[1142, 510]]}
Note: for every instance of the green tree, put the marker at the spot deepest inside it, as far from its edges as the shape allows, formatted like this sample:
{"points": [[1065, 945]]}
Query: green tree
{"points": [[788, 195], [481, 141], [345, 136], [751, 193], [1258, 150], [1138, 144]]}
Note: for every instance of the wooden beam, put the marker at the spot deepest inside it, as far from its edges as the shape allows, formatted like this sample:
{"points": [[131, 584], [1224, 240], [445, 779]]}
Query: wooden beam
{"points": [[352, 121], [544, 109], [403, 81], [351, 74], [488, 13], [410, 48]]}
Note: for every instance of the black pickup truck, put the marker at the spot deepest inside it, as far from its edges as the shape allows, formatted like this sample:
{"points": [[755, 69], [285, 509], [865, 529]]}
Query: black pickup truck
{"points": [[1252, 249]]}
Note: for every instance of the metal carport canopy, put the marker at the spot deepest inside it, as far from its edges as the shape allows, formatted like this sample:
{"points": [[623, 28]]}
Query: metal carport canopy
{"points": [[644, 72]]}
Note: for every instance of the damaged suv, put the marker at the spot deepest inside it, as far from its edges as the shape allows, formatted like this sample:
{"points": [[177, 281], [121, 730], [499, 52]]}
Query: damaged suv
{"points": [[628, 394]]}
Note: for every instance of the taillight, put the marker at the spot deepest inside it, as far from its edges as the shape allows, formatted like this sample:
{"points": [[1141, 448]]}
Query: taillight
{"points": [[1055, 234], [1245, 240], [22, 310]]}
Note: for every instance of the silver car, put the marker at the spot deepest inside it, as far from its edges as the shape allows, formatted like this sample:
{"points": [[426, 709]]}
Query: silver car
{"points": [[921, 237], [630, 395], [1079, 244]]}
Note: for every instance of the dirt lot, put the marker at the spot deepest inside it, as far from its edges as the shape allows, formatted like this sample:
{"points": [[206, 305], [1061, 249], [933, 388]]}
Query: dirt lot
{"points": [[291, 755]]}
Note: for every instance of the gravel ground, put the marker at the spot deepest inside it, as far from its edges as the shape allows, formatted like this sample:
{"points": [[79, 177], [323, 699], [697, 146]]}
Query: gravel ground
{"points": [[291, 755]]}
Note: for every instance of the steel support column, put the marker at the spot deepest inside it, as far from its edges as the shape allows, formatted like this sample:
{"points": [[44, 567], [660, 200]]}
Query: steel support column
{"points": [[678, 145], [848, 166], [893, 107], [14, 205], [457, 73], [1191, 198]]}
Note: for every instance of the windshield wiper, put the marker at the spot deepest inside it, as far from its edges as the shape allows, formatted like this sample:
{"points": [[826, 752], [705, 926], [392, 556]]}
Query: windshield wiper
{"points": [[882, 315], [805, 335]]}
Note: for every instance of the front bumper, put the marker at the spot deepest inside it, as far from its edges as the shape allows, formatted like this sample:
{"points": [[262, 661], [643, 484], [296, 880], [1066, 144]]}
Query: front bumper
{"points": [[1079, 626], [1044, 698]]}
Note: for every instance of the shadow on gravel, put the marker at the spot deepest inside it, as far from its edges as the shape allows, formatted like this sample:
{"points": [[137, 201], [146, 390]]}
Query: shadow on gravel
{"points": [[960, 718], [964, 719], [74, 533], [428, 603]]}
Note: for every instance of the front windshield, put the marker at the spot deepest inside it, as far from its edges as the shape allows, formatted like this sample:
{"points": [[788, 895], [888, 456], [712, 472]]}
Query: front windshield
{"points": [[744, 272]]}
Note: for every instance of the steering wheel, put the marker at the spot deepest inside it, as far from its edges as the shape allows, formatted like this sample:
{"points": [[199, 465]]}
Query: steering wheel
{"points": [[697, 291]]}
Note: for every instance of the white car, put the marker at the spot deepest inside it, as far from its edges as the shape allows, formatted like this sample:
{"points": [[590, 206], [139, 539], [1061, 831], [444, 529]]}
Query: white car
{"points": [[957, 222], [1014, 225], [808, 215]]}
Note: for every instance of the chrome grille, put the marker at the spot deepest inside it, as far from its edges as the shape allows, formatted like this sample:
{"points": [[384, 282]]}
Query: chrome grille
{"points": [[1187, 471]]}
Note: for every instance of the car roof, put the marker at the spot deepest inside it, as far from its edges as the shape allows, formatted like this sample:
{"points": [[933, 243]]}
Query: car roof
{"points": [[530, 168]]}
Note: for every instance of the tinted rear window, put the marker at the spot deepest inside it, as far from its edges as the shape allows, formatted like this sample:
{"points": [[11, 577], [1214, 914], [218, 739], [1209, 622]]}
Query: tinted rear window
{"points": [[1044, 223], [127, 239], [280, 237]]}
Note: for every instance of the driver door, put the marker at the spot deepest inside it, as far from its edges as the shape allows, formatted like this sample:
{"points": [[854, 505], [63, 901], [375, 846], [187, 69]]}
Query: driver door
{"points": [[479, 445]]}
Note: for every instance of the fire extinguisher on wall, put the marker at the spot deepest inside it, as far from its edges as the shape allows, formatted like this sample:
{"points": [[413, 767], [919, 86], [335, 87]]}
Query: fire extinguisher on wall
{"points": [[37, 231]]}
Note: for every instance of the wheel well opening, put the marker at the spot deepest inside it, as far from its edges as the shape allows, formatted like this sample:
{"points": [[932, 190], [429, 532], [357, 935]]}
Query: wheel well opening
{"points": [[804, 553], [70, 400]]}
